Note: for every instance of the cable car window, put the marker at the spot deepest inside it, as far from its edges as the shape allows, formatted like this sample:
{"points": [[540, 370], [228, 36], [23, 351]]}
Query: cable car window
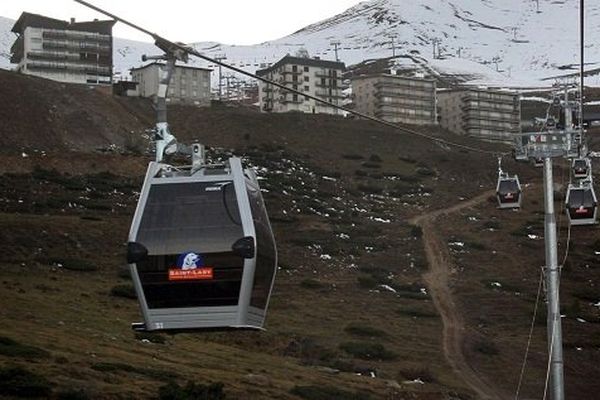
{"points": [[202, 217], [580, 197], [265, 252], [508, 186]]}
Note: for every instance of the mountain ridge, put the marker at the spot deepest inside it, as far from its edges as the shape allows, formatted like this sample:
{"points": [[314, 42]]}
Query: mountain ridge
{"points": [[500, 43]]}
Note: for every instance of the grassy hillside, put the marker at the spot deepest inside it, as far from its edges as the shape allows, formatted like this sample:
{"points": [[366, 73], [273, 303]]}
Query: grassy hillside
{"points": [[351, 315]]}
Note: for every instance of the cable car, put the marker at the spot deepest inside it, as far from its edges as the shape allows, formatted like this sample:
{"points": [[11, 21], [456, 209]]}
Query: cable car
{"points": [[581, 168], [201, 250], [508, 191], [581, 204]]}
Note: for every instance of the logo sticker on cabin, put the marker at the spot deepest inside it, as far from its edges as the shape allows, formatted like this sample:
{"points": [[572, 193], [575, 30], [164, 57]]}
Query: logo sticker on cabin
{"points": [[190, 266]]}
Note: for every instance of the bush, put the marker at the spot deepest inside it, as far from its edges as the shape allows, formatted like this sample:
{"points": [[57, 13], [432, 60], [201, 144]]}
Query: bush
{"points": [[368, 351], [73, 394], [192, 391], [412, 374], [75, 264], [327, 393], [486, 347], [11, 348], [17, 381], [352, 156], [151, 337], [424, 171], [364, 330], [311, 284], [366, 281], [416, 231], [407, 160], [375, 158], [126, 291], [370, 164]]}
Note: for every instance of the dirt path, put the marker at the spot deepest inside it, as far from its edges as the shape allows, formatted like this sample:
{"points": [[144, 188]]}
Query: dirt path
{"points": [[438, 280]]}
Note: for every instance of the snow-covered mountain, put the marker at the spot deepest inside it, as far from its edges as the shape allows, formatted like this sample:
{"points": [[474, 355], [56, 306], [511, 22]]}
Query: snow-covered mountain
{"points": [[494, 42]]}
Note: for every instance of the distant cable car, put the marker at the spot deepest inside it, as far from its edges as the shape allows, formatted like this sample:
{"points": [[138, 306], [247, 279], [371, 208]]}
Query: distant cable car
{"points": [[581, 168], [508, 192], [581, 204], [201, 249], [508, 189]]}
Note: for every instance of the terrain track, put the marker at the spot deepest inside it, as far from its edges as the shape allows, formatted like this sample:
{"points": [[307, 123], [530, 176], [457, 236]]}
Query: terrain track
{"points": [[438, 280]]}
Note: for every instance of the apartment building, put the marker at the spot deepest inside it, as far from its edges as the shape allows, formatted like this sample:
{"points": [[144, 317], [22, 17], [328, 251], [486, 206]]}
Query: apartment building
{"points": [[315, 77], [64, 51], [481, 113], [395, 98], [189, 85]]}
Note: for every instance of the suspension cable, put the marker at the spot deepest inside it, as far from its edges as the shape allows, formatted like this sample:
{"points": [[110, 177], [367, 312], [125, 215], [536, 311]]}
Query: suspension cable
{"points": [[533, 319], [167, 45]]}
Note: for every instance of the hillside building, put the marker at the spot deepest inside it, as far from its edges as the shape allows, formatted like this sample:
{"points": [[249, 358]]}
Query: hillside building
{"points": [[72, 52], [481, 113], [315, 77], [189, 85], [395, 98]]}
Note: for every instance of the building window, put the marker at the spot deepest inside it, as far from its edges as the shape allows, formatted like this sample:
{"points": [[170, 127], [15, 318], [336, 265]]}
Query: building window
{"points": [[323, 82], [305, 78], [306, 69], [295, 87], [194, 73], [295, 97], [295, 78], [306, 88], [294, 68]]}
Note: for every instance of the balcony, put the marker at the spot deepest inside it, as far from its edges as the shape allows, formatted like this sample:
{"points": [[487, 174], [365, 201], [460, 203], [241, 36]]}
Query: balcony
{"points": [[334, 94]]}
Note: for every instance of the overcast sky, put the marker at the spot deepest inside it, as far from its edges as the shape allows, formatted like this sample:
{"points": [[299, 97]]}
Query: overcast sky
{"points": [[225, 21]]}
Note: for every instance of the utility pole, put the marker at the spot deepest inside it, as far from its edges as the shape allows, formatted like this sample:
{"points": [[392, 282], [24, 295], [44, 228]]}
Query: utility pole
{"points": [[581, 66], [220, 57], [393, 36], [335, 45], [552, 285]]}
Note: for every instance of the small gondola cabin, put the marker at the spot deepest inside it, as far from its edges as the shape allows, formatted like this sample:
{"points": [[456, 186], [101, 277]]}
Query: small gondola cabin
{"points": [[201, 250], [580, 168], [581, 204], [508, 192]]}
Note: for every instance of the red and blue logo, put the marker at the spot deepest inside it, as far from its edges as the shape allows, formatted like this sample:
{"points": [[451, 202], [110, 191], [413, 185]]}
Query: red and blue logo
{"points": [[190, 266]]}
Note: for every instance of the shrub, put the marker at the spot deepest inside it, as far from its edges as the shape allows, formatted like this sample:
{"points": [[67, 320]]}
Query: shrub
{"points": [[407, 160], [125, 290], [424, 171], [491, 224], [17, 381], [11, 348], [151, 336], [375, 158], [312, 392], [75, 264], [366, 281], [73, 394], [415, 313], [192, 391], [370, 164], [364, 330], [416, 231], [412, 374], [486, 347], [311, 284], [352, 156], [368, 351]]}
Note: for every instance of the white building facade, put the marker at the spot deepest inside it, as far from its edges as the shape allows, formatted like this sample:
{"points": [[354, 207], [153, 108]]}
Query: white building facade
{"points": [[395, 98], [314, 77], [71, 52], [189, 85], [482, 113]]}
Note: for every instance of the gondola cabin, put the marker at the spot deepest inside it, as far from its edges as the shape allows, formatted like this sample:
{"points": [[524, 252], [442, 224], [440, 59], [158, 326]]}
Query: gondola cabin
{"points": [[581, 204], [508, 192], [581, 168], [201, 250]]}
